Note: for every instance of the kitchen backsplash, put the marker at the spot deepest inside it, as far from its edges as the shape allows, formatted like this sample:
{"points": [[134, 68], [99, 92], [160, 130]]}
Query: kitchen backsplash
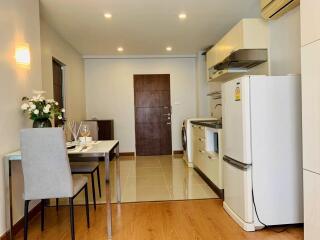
{"points": [[215, 110]]}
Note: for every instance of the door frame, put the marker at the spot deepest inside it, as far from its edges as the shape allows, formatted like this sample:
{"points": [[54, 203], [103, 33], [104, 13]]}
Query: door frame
{"points": [[63, 69], [134, 109]]}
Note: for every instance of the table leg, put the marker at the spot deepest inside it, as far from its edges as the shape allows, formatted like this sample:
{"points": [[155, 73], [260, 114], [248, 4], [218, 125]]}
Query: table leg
{"points": [[118, 175], [108, 196], [10, 202]]}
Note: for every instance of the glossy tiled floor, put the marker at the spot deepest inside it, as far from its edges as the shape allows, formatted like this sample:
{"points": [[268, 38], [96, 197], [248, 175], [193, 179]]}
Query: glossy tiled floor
{"points": [[154, 178]]}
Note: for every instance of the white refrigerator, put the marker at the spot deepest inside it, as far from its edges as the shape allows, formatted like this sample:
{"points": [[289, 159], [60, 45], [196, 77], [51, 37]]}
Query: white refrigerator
{"points": [[263, 151]]}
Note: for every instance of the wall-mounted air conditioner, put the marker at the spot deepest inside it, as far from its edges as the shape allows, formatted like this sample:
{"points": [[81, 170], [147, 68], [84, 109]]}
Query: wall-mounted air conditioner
{"points": [[273, 9]]}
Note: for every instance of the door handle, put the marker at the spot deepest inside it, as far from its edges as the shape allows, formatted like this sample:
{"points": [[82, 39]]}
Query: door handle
{"points": [[167, 114], [239, 165], [168, 123]]}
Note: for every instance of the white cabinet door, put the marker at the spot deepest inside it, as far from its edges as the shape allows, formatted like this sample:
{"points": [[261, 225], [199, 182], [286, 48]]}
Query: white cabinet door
{"points": [[211, 167], [310, 68], [311, 206], [310, 21]]}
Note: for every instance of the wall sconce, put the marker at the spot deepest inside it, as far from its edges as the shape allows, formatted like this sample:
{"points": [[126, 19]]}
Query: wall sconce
{"points": [[22, 55]]}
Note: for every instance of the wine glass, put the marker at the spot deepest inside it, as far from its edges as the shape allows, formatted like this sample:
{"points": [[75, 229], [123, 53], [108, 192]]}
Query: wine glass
{"points": [[85, 132], [74, 129]]}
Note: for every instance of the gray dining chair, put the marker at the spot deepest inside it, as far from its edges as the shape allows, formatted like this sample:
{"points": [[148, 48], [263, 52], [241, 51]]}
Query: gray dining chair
{"points": [[47, 174], [88, 165]]}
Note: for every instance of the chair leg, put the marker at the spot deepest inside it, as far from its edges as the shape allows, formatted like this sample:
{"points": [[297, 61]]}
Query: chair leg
{"points": [[57, 204], [26, 209], [93, 191], [87, 205], [72, 218], [99, 185], [42, 214]]}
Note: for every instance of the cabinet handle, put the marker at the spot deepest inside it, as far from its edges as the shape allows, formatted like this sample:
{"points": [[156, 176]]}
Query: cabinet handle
{"points": [[201, 151]]}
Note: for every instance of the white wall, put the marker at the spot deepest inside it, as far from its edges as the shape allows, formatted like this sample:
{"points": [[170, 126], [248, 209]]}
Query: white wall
{"points": [[19, 23], [285, 44], [203, 100], [110, 93], [53, 45]]}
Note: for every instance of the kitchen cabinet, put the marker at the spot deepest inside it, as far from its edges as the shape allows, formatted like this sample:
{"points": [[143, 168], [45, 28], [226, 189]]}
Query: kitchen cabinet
{"points": [[211, 168], [247, 34], [198, 145], [205, 159], [310, 21], [311, 205], [310, 106]]}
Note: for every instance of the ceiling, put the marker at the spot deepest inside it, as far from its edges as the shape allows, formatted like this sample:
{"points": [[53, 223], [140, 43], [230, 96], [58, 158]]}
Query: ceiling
{"points": [[144, 27]]}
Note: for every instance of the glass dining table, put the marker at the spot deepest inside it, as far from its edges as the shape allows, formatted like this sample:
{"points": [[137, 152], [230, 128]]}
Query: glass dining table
{"points": [[96, 149]]}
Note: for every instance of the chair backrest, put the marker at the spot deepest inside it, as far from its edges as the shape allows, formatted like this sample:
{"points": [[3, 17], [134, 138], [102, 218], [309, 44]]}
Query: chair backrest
{"points": [[45, 164], [93, 126]]}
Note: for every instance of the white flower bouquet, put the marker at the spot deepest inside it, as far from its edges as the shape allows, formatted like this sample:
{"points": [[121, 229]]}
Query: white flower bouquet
{"points": [[40, 109]]}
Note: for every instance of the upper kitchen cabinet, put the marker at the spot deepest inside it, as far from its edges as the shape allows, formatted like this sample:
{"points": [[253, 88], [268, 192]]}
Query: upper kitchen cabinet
{"points": [[247, 34], [310, 106], [310, 21]]}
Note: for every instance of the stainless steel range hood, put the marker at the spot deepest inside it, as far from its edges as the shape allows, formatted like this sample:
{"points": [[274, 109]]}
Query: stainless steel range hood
{"points": [[243, 59]]}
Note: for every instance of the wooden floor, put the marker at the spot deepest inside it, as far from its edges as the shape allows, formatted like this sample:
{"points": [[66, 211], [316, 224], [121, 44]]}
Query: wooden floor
{"points": [[174, 220]]}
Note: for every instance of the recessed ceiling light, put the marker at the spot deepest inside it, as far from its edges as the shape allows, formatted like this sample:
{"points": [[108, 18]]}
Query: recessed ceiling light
{"points": [[108, 15], [169, 49], [120, 49], [182, 16]]}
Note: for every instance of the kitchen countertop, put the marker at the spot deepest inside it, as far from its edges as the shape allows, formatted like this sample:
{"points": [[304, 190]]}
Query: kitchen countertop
{"points": [[209, 123]]}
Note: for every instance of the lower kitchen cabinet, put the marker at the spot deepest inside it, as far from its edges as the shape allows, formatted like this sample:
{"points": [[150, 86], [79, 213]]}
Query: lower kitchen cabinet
{"points": [[205, 158], [311, 205], [211, 168]]}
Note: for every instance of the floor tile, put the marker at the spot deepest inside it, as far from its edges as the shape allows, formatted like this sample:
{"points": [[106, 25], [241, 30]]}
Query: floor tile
{"points": [[155, 178]]}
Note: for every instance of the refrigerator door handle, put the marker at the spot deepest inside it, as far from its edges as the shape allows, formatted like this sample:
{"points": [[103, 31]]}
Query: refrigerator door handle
{"points": [[235, 163]]}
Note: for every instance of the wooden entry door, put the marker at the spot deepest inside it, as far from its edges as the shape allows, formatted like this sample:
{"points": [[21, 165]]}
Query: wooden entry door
{"points": [[152, 114]]}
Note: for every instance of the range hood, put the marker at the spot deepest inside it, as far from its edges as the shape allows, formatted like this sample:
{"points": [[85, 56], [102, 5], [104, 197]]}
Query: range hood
{"points": [[226, 74], [243, 59]]}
